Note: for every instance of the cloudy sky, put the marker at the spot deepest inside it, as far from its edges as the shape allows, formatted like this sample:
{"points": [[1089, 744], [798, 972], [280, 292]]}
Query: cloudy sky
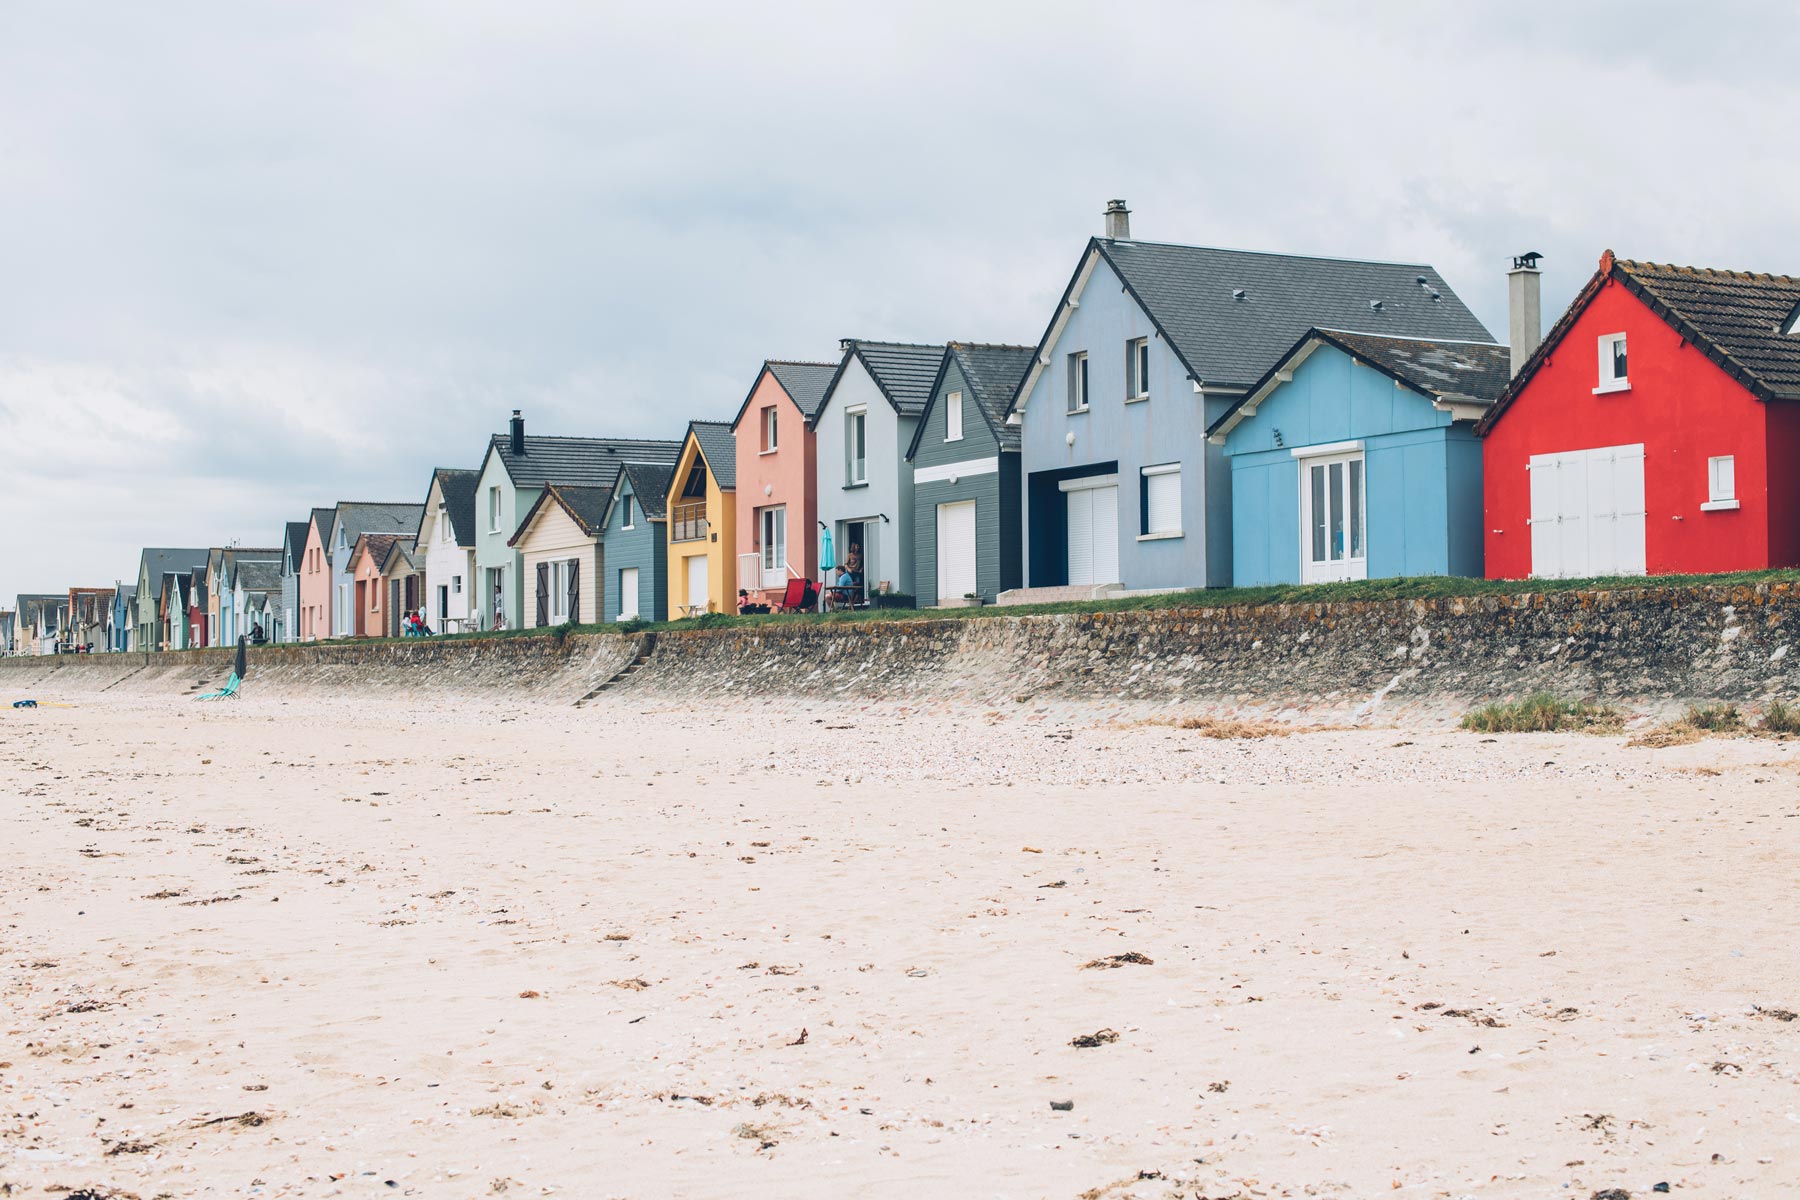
{"points": [[259, 258]]}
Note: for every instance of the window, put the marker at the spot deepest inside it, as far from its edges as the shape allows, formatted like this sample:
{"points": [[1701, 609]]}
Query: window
{"points": [[953, 417], [856, 447], [1721, 483], [493, 510], [1161, 501], [1137, 369], [1333, 519], [1078, 381], [374, 595], [769, 430], [625, 521], [456, 584], [343, 541], [1612, 364], [562, 577]]}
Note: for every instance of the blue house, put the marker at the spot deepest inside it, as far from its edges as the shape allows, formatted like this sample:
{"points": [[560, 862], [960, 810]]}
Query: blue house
{"points": [[1150, 345], [635, 544], [965, 464], [1355, 457]]}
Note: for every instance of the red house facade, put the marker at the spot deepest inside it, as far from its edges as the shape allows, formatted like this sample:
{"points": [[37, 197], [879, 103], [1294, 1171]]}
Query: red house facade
{"points": [[1655, 431]]}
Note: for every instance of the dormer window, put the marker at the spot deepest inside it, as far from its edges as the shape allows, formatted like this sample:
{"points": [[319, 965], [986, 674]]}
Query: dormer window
{"points": [[1613, 377]]}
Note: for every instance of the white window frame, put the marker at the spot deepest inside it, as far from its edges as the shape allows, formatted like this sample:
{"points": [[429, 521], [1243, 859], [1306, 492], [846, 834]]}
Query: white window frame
{"points": [[1721, 483], [1078, 382], [771, 426], [1609, 381], [953, 417], [625, 517], [1348, 565], [1137, 370], [456, 585], [858, 419], [1146, 474], [559, 589], [493, 510], [773, 572]]}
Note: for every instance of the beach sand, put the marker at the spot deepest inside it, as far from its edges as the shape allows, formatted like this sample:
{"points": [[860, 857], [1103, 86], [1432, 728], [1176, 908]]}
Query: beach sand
{"points": [[305, 946]]}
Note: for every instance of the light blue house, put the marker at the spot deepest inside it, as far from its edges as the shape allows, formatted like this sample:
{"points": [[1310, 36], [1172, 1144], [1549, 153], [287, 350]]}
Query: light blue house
{"points": [[1355, 457], [635, 544], [1150, 345]]}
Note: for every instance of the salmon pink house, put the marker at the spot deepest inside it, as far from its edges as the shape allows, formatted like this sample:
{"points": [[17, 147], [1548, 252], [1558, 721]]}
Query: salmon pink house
{"points": [[777, 459], [1655, 431]]}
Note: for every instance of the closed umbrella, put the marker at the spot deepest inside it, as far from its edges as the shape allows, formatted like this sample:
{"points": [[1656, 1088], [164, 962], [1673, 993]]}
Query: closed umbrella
{"points": [[827, 557], [240, 658]]}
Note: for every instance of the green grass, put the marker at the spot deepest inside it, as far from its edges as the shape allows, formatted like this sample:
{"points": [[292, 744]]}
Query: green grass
{"points": [[1713, 718], [1541, 713], [1780, 718]]}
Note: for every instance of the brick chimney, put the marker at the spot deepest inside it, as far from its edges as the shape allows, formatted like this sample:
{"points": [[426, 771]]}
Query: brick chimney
{"points": [[1118, 221], [1525, 320]]}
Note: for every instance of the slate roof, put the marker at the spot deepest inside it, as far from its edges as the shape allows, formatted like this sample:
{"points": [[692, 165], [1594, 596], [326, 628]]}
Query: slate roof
{"points": [[720, 449], [359, 517], [401, 548], [904, 371], [994, 373], [324, 518], [259, 575], [458, 487], [1226, 341], [1469, 372], [805, 383], [650, 483], [578, 462], [294, 539], [1735, 318], [586, 506], [163, 561], [127, 591], [376, 545]]}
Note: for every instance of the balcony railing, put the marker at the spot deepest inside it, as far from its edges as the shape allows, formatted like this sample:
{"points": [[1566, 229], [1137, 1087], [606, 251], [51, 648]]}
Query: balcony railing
{"points": [[688, 523]]}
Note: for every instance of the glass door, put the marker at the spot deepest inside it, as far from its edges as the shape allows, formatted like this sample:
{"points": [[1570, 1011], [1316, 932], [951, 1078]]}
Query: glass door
{"points": [[774, 546], [1333, 519]]}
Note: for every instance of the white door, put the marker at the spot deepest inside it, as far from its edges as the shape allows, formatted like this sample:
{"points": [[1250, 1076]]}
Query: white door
{"points": [[956, 550], [1587, 513], [696, 583], [628, 594], [1093, 533], [773, 522], [1333, 519]]}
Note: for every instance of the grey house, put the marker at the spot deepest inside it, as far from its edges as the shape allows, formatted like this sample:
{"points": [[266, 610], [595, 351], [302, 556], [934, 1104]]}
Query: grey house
{"points": [[353, 519], [1150, 344], [967, 538], [636, 545], [287, 614]]}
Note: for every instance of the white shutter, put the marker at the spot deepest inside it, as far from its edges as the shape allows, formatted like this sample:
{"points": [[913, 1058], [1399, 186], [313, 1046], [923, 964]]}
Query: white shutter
{"points": [[1571, 515], [1106, 535], [1081, 536], [1162, 500], [953, 414], [956, 576], [1628, 485], [1545, 563], [1602, 512]]}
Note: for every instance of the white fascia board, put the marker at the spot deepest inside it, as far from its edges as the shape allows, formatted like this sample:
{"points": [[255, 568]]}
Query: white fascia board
{"points": [[1284, 374], [1325, 448], [948, 471], [1064, 310]]}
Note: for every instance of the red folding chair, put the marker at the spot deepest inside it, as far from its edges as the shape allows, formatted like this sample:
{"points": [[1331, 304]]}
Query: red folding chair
{"points": [[797, 597]]}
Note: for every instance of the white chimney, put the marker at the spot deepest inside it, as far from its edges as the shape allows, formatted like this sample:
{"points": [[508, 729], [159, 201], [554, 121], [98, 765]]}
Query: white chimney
{"points": [[1118, 221], [1525, 321]]}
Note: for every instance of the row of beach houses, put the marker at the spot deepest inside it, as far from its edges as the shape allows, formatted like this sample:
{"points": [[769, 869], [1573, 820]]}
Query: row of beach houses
{"points": [[1189, 417]]}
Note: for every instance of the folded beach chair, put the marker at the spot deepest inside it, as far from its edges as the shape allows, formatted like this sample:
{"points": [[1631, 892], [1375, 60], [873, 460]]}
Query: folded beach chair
{"points": [[794, 599], [228, 692]]}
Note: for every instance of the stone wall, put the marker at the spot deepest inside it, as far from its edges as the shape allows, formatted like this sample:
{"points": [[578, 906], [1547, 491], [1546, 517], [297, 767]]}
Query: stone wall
{"points": [[1651, 648]]}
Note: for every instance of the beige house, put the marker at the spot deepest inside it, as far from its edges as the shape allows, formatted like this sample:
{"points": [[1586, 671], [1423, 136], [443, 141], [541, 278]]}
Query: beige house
{"points": [[559, 545]]}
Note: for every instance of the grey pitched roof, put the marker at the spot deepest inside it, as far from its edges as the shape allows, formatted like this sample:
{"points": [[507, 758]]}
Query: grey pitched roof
{"points": [[259, 574], [357, 517], [324, 518], [904, 371], [650, 484], [994, 373], [578, 462], [804, 382], [720, 449], [458, 487], [162, 561], [127, 591], [586, 506], [294, 538], [1191, 294]]}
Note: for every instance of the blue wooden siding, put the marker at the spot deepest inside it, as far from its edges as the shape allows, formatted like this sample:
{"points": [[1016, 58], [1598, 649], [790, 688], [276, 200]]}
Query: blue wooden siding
{"points": [[644, 546], [1423, 474]]}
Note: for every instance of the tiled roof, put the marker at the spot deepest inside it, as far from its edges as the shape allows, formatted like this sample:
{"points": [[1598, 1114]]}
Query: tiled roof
{"points": [[458, 488], [586, 505], [804, 382], [259, 575], [295, 538], [904, 371], [578, 462], [1735, 314], [650, 484], [399, 553], [1228, 314], [376, 546], [358, 517], [1736, 318], [162, 561], [994, 373], [324, 518], [720, 449]]}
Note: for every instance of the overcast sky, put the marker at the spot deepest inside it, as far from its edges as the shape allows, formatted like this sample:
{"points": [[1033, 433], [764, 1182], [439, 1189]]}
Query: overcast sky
{"points": [[259, 258]]}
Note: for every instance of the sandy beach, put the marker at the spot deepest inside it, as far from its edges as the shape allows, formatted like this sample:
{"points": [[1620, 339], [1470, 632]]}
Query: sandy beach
{"points": [[301, 946]]}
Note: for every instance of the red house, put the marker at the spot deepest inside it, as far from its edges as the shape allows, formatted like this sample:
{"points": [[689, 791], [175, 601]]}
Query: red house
{"points": [[1656, 430]]}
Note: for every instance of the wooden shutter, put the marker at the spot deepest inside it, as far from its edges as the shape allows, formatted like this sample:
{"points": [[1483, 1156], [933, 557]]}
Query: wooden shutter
{"points": [[575, 591], [543, 594]]}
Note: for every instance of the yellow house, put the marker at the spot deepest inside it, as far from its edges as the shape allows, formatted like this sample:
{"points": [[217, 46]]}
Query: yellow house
{"points": [[702, 516]]}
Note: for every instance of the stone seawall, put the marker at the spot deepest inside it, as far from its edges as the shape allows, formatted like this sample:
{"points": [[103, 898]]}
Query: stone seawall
{"points": [[1653, 648]]}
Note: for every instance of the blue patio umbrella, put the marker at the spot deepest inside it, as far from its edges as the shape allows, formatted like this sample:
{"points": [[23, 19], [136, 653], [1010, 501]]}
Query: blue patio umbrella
{"points": [[827, 556]]}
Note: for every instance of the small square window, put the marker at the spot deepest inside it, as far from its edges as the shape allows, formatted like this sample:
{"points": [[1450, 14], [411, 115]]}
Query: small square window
{"points": [[1613, 377], [953, 415], [1137, 369], [1721, 483], [1078, 382]]}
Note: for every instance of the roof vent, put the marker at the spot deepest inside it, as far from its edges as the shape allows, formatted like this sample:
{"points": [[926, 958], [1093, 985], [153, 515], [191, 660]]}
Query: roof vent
{"points": [[1237, 293], [1422, 281], [1374, 306]]}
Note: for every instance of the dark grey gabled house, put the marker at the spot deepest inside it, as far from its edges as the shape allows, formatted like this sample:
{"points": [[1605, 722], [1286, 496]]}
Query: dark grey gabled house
{"points": [[967, 531]]}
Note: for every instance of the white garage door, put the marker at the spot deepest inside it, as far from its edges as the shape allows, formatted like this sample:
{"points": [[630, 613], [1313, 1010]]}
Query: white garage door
{"points": [[628, 594], [1587, 513], [696, 583], [956, 550], [1093, 531]]}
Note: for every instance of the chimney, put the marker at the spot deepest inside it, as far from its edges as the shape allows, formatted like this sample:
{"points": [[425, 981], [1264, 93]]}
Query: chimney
{"points": [[518, 435], [1118, 220], [1525, 322]]}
